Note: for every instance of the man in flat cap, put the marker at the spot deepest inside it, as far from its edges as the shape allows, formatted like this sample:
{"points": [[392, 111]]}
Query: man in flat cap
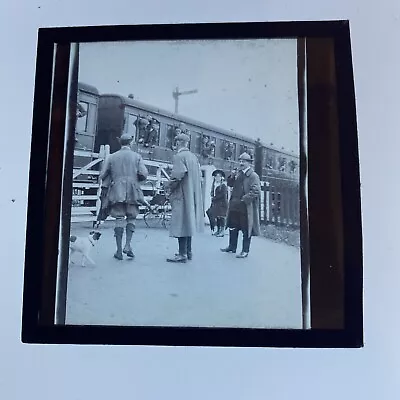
{"points": [[125, 170], [186, 199], [243, 209]]}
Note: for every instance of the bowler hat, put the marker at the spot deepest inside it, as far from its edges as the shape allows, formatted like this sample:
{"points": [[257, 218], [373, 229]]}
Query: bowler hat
{"points": [[219, 171], [183, 137], [245, 156]]}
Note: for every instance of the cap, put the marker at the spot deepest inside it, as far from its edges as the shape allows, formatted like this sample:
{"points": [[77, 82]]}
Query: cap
{"points": [[183, 137], [245, 157], [144, 121], [126, 138]]}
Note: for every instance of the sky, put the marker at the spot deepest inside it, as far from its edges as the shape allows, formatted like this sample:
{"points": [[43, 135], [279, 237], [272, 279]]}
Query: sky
{"points": [[247, 86]]}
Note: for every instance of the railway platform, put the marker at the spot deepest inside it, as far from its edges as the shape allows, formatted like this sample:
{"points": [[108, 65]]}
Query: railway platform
{"points": [[213, 289]]}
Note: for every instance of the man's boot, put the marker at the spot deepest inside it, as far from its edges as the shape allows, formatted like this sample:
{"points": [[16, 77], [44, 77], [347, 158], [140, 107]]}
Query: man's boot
{"points": [[182, 255], [118, 233], [130, 228], [189, 247], [233, 239]]}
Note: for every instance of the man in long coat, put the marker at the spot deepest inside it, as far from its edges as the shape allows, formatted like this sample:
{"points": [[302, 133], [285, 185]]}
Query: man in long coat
{"points": [[125, 169], [186, 199], [243, 210]]}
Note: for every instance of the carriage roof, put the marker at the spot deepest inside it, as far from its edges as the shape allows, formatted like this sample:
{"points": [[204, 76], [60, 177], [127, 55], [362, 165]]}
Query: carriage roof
{"points": [[88, 88], [181, 118]]}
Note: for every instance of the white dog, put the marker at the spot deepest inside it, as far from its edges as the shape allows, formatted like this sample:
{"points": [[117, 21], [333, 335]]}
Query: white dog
{"points": [[83, 246]]}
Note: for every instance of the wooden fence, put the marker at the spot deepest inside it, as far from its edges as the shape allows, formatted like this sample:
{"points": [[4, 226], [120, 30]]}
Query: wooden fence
{"points": [[280, 203], [86, 192], [86, 185]]}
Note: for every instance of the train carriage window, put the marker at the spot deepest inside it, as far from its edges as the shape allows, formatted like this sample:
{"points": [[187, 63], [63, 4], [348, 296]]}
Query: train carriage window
{"points": [[247, 149], [82, 116], [251, 151], [84, 142], [293, 166], [208, 146], [270, 161], [130, 125], [152, 137], [228, 150], [197, 143], [173, 131], [148, 131], [171, 134], [142, 124], [282, 164]]}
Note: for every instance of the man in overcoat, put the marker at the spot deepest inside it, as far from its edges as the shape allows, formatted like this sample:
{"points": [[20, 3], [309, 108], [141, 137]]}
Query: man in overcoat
{"points": [[243, 210], [186, 198], [125, 170]]}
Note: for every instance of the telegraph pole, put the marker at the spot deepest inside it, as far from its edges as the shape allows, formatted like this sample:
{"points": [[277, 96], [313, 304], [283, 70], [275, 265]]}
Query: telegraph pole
{"points": [[176, 93]]}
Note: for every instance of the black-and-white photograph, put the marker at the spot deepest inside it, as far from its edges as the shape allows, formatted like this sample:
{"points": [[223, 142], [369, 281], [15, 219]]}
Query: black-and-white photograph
{"points": [[185, 192]]}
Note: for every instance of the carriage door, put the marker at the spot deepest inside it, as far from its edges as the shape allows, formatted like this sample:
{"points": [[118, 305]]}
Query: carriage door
{"points": [[85, 174]]}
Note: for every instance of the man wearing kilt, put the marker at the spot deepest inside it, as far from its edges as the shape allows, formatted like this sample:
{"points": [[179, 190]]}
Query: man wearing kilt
{"points": [[243, 210]]}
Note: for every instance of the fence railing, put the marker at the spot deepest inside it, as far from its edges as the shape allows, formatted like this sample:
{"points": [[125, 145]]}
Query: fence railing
{"points": [[86, 193], [280, 203]]}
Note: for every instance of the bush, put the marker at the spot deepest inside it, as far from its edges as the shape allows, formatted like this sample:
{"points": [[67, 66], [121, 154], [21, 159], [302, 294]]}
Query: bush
{"points": [[281, 234]]}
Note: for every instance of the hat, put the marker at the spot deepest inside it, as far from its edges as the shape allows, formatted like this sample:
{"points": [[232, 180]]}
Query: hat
{"points": [[245, 156], [183, 137], [126, 138], [144, 121], [219, 171]]}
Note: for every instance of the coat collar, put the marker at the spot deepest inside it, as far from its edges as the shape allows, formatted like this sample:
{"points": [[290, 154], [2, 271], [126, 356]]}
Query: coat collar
{"points": [[183, 149], [249, 172]]}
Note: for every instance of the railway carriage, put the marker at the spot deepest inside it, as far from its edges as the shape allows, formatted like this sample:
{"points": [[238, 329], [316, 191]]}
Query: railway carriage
{"points": [[154, 130], [85, 180], [107, 116], [86, 123]]}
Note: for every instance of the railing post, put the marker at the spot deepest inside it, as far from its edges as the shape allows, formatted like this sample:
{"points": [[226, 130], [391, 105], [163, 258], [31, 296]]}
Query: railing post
{"points": [[102, 157], [158, 176]]}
